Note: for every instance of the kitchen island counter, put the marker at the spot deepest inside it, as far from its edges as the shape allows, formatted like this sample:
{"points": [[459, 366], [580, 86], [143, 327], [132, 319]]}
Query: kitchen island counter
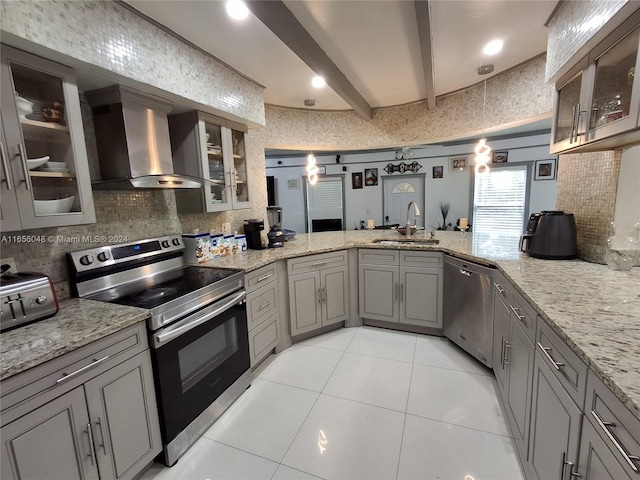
{"points": [[595, 310], [77, 323]]}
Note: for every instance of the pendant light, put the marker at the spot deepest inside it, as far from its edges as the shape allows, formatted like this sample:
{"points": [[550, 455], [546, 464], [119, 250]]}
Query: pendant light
{"points": [[482, 149], [312, 168]]}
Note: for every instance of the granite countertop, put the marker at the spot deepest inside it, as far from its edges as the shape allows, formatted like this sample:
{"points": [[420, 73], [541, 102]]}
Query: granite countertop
{"points": [[594, 309], [77, 323]]}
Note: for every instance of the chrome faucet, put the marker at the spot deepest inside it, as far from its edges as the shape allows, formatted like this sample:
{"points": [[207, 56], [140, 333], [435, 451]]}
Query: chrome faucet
{"points": [[407, 230]]}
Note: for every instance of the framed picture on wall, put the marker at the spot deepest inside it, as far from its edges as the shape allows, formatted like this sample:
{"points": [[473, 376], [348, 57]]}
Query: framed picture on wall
{"points": [[370, 177], [356, 180], [458, 164], [438, 171], [499, 157], [293, 183], [545, 169]]}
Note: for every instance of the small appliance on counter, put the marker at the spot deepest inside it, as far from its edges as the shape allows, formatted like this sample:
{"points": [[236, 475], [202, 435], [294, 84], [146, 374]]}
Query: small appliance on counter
{"points": [[25, 297], [551, 234], [275, 236], [252, 229]]}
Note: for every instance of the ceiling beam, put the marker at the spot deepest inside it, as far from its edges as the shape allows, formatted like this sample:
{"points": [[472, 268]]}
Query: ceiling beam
{"points": [[279, 19], [423, 17]]}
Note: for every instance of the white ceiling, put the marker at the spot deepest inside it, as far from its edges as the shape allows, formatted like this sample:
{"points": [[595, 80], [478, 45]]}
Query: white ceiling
{"points": [[374, 43]]}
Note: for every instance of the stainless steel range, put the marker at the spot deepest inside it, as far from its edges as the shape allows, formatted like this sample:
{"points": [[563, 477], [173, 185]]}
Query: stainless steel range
{"points": [[198, 328]]}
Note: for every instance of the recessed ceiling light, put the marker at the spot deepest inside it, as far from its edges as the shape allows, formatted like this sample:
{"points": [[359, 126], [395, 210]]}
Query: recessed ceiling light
{"points": [[493, 47], [318, 81], [237, 9]]}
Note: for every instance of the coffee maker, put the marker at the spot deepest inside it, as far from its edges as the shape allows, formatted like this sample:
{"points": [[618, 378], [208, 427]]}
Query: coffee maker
{"points": [[252, 229], [275, 235]]}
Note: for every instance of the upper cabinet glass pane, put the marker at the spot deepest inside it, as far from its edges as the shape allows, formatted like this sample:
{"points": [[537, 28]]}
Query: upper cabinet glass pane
{"points": [[240, 166], [213, 137], [615, 72], [568, 100], [47, 145]]}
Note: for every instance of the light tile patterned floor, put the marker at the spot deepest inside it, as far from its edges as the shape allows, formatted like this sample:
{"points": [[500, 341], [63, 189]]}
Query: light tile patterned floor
{"points": [[359, 403]]}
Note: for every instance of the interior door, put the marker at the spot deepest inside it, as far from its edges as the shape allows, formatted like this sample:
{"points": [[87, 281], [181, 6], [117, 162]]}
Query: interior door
{"points": [[398, 192]]}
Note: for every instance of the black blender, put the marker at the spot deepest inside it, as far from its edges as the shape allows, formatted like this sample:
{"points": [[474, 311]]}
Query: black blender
{"points": [[275, 235]]}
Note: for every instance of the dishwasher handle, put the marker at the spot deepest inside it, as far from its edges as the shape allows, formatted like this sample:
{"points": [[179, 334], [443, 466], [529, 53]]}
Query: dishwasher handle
{"points": [[464, 272]]}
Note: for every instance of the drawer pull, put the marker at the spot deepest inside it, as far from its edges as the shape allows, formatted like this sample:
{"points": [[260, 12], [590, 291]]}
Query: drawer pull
{"points": [[264, 277], [522, 318], [69, 376], [499, 288], [261, 307], [546, 351], [317, 264], [630, 459]]}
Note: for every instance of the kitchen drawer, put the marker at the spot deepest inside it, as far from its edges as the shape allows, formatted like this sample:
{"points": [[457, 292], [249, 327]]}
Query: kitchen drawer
{"points": [[565, 365], [262, 304], [421, 259], [502, 286], [379, 256], [263, 339], [260, 277], [314, 263], [615, 424], [28, 390], [525, 314]]}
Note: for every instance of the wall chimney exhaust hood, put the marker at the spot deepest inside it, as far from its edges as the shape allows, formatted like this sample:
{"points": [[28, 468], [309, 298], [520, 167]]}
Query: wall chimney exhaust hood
{"points": [[132, 135]]}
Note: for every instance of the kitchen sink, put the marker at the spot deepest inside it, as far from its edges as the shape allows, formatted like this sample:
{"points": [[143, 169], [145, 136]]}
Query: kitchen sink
{"points": [[406, 241]]}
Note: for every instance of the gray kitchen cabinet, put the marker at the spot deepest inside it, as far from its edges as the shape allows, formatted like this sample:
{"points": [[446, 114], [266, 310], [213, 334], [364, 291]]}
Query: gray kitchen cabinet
{"points": [[52, 442], [597, 103], [596, 461], [41, 118], [555, 426], [402, 287], [90, 413], [212, 148], [263, 311], [501, 320], [318, 291]]}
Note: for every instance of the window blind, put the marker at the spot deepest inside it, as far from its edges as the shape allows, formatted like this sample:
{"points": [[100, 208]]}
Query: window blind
{"points": [[324, 199], [499, 201]]}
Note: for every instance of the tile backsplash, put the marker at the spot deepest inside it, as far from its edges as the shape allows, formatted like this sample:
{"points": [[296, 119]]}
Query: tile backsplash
{"points": [[587, 187]]}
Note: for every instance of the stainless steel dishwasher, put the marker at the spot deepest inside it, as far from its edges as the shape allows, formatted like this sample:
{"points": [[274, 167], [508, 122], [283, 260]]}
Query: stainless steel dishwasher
{"points": [[468, 307]]}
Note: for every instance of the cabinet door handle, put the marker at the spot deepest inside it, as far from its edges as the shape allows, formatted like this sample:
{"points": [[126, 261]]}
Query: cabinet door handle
{"points": [[68, 376], [546, 351], [499, 288], [630, 459], [402, 292], [502, 350], [319, 293], [265, 305], [516, 312], [573, 132], [90, 435], [5, 167], [396, 291], [324, 294], [506, 348], [25, 167], [264, 277], [103, 444]]}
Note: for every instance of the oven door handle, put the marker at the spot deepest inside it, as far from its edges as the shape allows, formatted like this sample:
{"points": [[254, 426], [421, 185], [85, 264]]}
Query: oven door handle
{"points": [[170, 333]]}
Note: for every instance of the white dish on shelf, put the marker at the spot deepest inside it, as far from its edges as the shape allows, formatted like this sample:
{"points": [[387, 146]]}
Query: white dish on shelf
{"points": [[25, 107], [56, 165], [50, 207], [54, 170], [37, 162]]}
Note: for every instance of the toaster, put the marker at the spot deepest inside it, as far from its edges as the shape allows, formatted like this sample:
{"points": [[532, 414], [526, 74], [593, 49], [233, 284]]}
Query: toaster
{"points": [[24, 298]]}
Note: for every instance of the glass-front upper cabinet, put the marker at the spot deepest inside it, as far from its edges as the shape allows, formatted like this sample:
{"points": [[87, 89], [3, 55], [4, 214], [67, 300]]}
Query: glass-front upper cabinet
{"points": [[597, 103], [212, 148], [615, 92], [44, 156]]}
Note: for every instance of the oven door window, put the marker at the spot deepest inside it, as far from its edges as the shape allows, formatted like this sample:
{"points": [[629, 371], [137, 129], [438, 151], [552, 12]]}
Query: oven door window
{"points": [[201, 357], [194, 369]]}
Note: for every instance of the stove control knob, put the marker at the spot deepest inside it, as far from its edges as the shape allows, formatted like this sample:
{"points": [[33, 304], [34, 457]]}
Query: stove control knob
{"points": [[103, 256], [165, 244], [40, 299], [176, 242], [86, 259]]}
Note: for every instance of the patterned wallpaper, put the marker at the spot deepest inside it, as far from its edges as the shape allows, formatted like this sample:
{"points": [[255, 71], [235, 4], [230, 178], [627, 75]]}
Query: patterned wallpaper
{"points": [[587, 187]]}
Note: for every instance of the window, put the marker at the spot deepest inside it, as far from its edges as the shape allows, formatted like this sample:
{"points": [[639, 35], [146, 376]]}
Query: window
{"points": [[499, 203], [324, 202]]}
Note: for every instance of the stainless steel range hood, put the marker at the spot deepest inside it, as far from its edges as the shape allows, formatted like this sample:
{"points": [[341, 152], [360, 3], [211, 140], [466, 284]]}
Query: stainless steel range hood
{"points": [[132, 136]]}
